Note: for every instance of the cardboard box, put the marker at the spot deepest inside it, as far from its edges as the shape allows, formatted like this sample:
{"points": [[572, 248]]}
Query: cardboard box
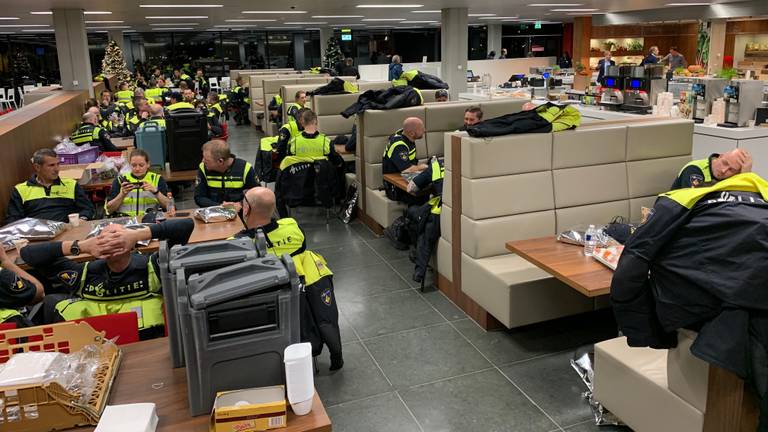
{"points": [[249, 410]]}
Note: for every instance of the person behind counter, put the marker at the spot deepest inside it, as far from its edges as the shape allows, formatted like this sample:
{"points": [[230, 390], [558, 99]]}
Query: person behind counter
{"points": [[717, 167], [675, 60], [603, 65], [47, 196], [652, 57], [222, 178], [135, 192]]}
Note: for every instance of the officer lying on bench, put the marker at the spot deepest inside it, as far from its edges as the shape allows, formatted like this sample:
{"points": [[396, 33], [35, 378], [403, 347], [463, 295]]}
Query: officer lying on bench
{"points": [[118, 281]]}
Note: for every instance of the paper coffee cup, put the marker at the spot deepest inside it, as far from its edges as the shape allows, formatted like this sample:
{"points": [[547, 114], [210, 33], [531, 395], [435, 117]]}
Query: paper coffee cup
{"points": [[74, 219]]}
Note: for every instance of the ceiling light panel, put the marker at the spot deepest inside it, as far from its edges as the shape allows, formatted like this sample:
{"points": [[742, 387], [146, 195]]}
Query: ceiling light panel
{"points": [[174, 24], [426, 11], [388, 6], [181, 6], [178, 17], [338, 16], [417, 22], [382, 19], [556, 4], [108, 28], [573, 10], [97, 13], [104, 22], [482, 15], [249, 20], [498, 18], [273, 12], [8, 18], [305, 22], [689, 4], [25, 25]]}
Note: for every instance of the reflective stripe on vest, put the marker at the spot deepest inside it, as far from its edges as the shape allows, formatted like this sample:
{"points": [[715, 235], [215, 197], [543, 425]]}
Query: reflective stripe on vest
{"points": [[703, 165], [29, 192], [155, 93], [278, 100], [85, 134], [421, 98], [267, 144], [398, 142], [215, 108], [6, 314], [438, 173], [317, 147], [219, 181], [145, 200], [290, 107], [179, 105], [291, 127], [153, 122], [409, 75], [124, 96]]}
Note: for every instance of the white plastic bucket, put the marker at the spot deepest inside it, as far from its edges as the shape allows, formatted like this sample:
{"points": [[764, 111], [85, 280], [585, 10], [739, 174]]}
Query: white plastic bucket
{"points": [[299, 378]]}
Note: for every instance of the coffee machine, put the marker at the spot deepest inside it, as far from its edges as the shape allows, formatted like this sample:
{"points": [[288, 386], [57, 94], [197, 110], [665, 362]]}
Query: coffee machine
{"points": [[704, 92], [641, 86], [742, 97], [611, 95]]}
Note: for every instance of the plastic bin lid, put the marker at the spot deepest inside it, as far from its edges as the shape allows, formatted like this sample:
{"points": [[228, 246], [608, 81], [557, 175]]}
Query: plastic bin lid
{"points": [[235, 281], [211, 252]]}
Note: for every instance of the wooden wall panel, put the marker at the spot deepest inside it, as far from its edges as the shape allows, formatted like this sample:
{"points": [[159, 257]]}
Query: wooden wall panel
{"points": [[730, 44], [752, 26], [36, 126]]}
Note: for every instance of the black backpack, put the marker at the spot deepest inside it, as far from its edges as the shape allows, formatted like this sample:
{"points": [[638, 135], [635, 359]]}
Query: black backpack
{"points": [[397, 233]]}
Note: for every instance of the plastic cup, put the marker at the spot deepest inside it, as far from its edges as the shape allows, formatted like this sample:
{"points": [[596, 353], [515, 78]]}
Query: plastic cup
{"points": [[74, 219]]}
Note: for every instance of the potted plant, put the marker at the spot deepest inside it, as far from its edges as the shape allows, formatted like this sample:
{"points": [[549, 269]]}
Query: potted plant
{"points": [[609, 45]]}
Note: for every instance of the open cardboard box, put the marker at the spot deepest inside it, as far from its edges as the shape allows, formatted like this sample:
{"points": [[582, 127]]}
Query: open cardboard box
{"points": [[249, 410]]}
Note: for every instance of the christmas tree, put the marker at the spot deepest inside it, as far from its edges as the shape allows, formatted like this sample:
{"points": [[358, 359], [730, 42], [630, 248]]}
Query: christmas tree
{"points": [[114, 63], [333, 56], [21, 66]]}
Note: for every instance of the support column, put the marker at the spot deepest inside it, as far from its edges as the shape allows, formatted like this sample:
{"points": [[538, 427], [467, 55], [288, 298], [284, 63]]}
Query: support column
{"points": [[298, 51], [72, 50], [582, 33], [494, 38], [454, 40], [117, 36], [241, 51], [326, 33], [128, 53], [716, 46]]}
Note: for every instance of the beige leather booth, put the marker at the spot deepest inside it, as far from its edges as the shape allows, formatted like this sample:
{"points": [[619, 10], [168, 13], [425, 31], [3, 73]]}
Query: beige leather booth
{"points": [[329, 107], [375, 127], [234, 74], [256, 86], [652, 390], [271, 87], [288, 92], [533, 185]]}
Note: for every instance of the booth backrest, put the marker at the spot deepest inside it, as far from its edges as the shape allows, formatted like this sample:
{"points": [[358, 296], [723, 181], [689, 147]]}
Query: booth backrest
{"points": [[533, 185], [234, 74], [288, 92], [375, 127], [271, 87], [329, 107]]}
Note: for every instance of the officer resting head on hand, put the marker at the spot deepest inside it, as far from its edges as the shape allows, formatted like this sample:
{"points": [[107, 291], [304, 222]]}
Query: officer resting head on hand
{"points": [[118, 281], [718, 167], [17, 289], [222, 178], [47, 196]]}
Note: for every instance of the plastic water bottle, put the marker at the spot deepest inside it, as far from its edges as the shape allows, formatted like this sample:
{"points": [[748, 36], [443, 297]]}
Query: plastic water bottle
{"points": [[171, 205], [590, 240]]}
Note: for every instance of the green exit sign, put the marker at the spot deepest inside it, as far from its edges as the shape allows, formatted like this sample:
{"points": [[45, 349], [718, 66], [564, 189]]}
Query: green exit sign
{"points": [[537, 25]]}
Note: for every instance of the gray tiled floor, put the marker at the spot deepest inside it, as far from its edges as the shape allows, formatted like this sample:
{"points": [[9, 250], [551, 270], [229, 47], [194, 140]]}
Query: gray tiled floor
{"points": [[415, 363]]}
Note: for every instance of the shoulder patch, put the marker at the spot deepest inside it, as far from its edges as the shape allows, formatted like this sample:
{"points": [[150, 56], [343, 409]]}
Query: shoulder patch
{"points": [[18, 285], [404, 156], [68, 277], [327, 297], [696, 180]]}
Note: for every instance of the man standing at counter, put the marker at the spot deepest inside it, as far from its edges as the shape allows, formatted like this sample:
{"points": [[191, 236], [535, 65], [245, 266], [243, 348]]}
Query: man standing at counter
{"points": [[717, 167], [675, 60], [603, 65]]}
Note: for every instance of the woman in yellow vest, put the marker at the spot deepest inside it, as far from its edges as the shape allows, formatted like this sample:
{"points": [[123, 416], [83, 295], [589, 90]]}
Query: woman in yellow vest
{"points": [[135, 192]]}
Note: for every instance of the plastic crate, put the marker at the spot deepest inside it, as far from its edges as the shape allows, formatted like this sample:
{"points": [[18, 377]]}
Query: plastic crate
{"points": [[42, 407], [84, 156]]}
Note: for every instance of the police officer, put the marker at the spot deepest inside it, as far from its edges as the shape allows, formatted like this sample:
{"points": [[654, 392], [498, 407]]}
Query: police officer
{"points": [[117, 281], [214, 104], [426, 219], [124, 95], [137, 115], [179, 77], [241, 102], [275, 108], [222, 178], [47, 196], [178, 103], [214, 127], [91, 133], [300, 99], [716, 167], [156, 114], [287, 132], [135, 192], [400, 157], [157, 93], [201, 83], [320, 315], [17, 290], [106, 104], [309, 143]]}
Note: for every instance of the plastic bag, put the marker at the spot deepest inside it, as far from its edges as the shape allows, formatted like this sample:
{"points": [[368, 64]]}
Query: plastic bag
{"points": [[67, 146], [349, 207], [215, 214], [575, 236], [582, 362], [128, 222]]}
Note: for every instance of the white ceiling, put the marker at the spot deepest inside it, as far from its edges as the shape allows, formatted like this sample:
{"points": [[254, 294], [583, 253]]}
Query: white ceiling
{"points": [[134, 17]]}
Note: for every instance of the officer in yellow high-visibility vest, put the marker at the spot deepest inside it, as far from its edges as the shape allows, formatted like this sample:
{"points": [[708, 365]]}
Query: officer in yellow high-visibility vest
{"points": [[124, 95], [178, 103], [158, 92], [179, 77], [46, 195], [214, 104], [716, 167], [320, 315], [135, 192], [426, 218], [17, 290], [309, 143], [119, 281], [156, 115], [222, 178], [89, 132], [299, 100]]}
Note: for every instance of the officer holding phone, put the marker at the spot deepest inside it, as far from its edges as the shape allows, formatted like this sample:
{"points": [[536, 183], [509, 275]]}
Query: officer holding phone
{"points": [[135, 192]]}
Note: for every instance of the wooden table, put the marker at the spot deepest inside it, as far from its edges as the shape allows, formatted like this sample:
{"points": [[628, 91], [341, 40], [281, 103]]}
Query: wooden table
{"points": [[168, 176], [567, 263], [147, 365], [401, 183], [122, 143], [203, 232]]}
